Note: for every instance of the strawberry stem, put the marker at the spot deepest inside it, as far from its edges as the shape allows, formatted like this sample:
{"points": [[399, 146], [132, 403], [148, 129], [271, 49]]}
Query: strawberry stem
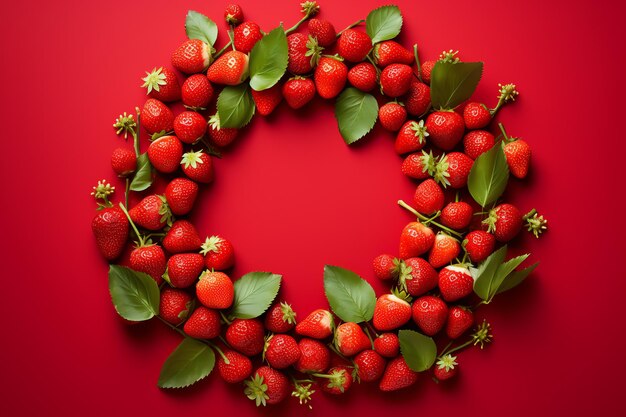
{"points": [[506, 138], [369, 58], [417, 62], [141, 239], [355, 24], [206, 342], [221, 51], [312, 11], [136, 133], [126, 191], [428, 220], [228, 322]]}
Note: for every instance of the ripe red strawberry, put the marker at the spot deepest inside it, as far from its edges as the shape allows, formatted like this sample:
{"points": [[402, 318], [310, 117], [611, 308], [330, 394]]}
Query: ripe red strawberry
{"points": [[476, 115], [391, 52], [517, 153], [151, 213], [229, 69], [156, 117], [323, 31], [445, 368], [395, 80], [428, 197], [455, 282], [280, 318], [215, 290], [183, 269], [416, 239], [218, 253], [453, 169], [181, 194], [149, 259], [267, 386], [427, 68], [247, 336], [267, 100], [338, 380], [192, 56], [204, 323], [417, 100], [391, 312], [220, 136], [298, 91], [387, 345], [505, 221], [479, 245], [385, 267], [233, 15], [162, 84], [189, 126], [299, 62], [314, 356], [477, 142], [369, 365], [459, 321], [397, 375], [239, 367], [182, 237], [411, 137], [421, 277], [246, 35], [110, 228], [174, 305], [354, 45], [430, 314], [165, 154], [197, 92], [392, 116], [350, 339], [198, 166], [123, 162], [281, 351], [446, 129], [457, 215], [318, 325], [418, 166], [445, 249], [363, 76], [330, 77]]}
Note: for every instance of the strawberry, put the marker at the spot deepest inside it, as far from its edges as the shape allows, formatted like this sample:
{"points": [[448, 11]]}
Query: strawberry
{"points": [[156, 117], [387, 345], [220, 136], [323, 31], [215, 290], [392, 116], [182, 237], [149, 259], [229, 69], [350, 339], [198, 166], [430, 314], [391, 52], [183, 269], [446, 129], [391, 312], [476, 115], [203, 323], [417, 100], [218, 253], [314, 356], [280, 318], [445, 367], [505, 221], [338, 380], [354, 45], [151, 213], [479, 245], [192, 56], [165, 154], [395, 80], [281, 351], [303, 52], [110, 228], [363, 76], [197, 92], [162, 84], [238, 368], [453, 169], [318, 325], [477, 142], [459, 321], [267, 386], [384, 267], [416, 239], [267, 100], [420, 277], [247, 336], [189, 126], [411, 137], [233, 15], [397, 375], [455, 282], [457, 215], [124, 162], [174, 305], [517, 153], [330, 77], [419, 166], [246, 35], [181, 194], [427, 68], [369, 366], [298, 91], [428, 197], [445, 249]]}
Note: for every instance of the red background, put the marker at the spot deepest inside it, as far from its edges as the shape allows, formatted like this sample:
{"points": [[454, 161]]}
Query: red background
{"points": [[292, 197]]}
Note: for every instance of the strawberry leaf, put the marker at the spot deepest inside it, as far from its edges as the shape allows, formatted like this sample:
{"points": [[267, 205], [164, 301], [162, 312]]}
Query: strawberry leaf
{"points": [[489, 176], [452, 84], [235, 106], [135, 295], [189, 363], [383, 23], [418, 351], [143, 177], [503, 272], [515, 278], [356, 113], [350, 297], [254, 292], [268, 60], [485, 274], [198, 26]]}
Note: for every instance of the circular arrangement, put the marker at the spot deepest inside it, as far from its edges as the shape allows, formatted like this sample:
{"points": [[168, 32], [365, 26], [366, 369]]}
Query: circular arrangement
{"points": [[451, 260]]}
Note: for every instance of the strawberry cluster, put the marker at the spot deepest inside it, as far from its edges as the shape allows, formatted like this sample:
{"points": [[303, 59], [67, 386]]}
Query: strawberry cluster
{"points": [[454, 252]]}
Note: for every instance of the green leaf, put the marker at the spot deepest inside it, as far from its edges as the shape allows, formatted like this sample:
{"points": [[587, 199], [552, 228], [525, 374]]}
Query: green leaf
{"points": [[143, 177], [485, 274], [489, 176], [198, 26], [419, 351], [356, 113], [135, 295], [383, 23], [350, 296], [503, 271], [254, 292], [515, 278], [268, 60], [189, 363], [235, 106], [452, 84]]}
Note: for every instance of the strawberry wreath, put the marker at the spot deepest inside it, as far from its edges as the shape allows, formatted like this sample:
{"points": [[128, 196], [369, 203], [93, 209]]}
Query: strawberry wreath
{"points": [[451, 260]]}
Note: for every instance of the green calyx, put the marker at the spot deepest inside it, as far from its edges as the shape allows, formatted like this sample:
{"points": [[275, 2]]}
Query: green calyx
{"points": [[313, 50], [309, 8], [449, 57], [403, 272], [535, 223], [192, 159], [256, 390], [125, 123], [402, 294], [482, 336], [102, 191], [214, 121], [289, 316], [336, 379], [491, 220], [303, 393], [506, 93], [165, 212], [429, 163], [441, 173], [154, 80], [446, 362], [211, 244], [420, 131]]}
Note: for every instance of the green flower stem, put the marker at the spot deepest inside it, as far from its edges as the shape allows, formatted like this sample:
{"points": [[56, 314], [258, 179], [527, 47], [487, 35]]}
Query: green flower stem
{"points": [[225, 318], [369, 58], [331, 347], [297, 25], [136, 134], [463, 346], [428, 220], [231, 42], [141, 239], [367, 333], [506, 138], [126, 191], [355, 24], [443, 351], [417, 62], [221, 51], [206, 342]]}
